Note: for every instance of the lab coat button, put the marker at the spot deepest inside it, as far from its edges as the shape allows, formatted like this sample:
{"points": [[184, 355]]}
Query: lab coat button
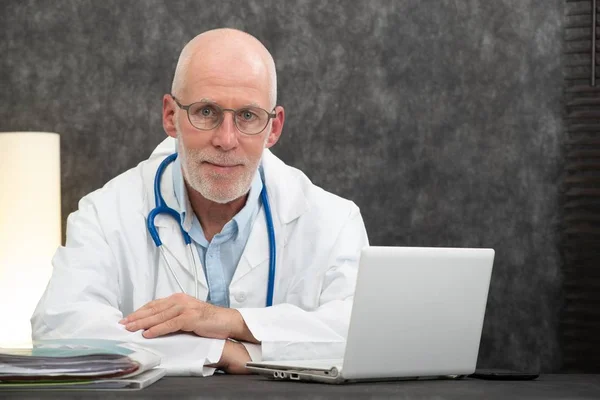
{"points": [[240, 297]]}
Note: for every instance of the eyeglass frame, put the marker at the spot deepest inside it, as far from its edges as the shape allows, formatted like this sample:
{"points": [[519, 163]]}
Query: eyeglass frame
{"points": [[186, 108]]}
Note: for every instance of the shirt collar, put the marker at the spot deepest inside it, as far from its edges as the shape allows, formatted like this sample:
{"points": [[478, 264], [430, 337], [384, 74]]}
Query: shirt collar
{"points": [[240, 220]]}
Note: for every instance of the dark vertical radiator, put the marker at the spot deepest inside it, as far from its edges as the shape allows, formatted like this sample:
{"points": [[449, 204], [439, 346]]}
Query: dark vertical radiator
{"points": [[580, 317]]}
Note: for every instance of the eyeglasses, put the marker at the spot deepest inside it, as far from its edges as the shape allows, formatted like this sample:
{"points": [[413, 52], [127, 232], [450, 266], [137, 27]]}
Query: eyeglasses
{"points": [[206, 116]]}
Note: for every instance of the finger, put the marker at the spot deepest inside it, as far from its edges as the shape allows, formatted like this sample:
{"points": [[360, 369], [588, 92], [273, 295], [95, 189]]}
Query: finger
{"points": [[170, 326], [151, 308], [156, 306], [154, 319]]}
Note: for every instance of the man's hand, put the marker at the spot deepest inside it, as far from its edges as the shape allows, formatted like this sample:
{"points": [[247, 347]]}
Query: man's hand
{"points": [[234, 358], [180, 312]]}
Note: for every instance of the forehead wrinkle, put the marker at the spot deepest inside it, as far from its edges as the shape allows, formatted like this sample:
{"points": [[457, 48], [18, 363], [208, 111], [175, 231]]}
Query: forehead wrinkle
{"points": [[213, 101], [225, 81], [219, 94], [228, 77]]}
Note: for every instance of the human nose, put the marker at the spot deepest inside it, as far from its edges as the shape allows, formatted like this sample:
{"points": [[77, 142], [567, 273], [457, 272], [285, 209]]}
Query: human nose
{"points": [[226, 134]]}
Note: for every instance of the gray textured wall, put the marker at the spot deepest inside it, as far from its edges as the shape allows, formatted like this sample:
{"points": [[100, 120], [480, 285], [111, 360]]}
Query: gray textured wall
{"points": [[440, 119]]}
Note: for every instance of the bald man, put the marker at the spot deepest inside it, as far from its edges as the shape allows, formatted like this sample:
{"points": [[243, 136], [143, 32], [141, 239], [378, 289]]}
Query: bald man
{"points": [[270, 268]]}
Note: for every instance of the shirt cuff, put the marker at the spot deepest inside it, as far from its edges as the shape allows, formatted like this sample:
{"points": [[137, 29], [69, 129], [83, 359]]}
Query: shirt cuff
{"points": [[215, 353]]}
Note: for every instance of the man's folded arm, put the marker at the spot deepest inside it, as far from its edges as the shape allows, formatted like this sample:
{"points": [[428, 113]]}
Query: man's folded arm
{"points": [[83, 296]]}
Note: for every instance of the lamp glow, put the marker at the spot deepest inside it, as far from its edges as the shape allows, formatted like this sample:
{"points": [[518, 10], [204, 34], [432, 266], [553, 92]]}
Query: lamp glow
{"points": [[30, 229]]}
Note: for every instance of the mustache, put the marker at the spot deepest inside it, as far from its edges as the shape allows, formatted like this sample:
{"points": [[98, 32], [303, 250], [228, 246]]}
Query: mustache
{"points": [[224, 159]]}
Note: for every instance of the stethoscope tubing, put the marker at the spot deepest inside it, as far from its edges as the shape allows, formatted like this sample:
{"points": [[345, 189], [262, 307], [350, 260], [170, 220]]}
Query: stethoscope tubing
{"points": [[162, 208]]}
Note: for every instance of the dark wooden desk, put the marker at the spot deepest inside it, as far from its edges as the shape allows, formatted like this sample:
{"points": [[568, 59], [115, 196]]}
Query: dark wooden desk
{"points": [[253, 387]]}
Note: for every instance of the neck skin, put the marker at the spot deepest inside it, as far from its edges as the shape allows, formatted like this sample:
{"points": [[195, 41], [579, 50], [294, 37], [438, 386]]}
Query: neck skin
{"points": [[213, 216]]}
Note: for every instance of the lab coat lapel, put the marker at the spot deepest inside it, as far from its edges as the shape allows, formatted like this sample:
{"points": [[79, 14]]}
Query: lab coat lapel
{"points": [[287, 202], [175, 247], [256, 250]]}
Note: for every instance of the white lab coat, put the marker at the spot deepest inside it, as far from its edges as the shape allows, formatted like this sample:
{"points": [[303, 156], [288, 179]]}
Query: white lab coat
{"points": [[110, 267]]}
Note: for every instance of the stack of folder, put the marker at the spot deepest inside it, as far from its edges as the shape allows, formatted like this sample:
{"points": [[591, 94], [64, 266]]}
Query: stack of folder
{"points": [[78, 364]]}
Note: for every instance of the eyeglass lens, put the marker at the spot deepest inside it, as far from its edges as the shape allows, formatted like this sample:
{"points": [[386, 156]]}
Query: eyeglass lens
{"points": [[249, 120]]}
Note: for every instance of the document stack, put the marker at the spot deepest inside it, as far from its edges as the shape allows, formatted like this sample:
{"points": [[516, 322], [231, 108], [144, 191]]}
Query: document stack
{"points": [[78, 364]]}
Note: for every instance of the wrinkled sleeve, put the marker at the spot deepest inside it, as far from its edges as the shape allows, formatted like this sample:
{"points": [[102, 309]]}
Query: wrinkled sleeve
{"points": [[287, 332]]}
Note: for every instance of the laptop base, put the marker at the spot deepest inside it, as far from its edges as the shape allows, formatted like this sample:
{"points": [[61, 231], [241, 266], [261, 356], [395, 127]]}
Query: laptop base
{"points": [[330, 376]]}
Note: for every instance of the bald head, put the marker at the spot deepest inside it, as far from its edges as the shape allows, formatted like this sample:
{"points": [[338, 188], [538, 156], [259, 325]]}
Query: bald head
{"points": [[225, 54]]}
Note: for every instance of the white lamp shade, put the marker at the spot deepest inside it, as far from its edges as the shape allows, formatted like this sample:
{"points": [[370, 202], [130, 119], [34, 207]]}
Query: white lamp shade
{"points": [[30, 228]]}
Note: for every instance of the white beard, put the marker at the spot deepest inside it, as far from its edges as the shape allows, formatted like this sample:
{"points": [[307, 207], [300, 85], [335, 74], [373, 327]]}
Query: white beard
{"points": [[204, 182]]}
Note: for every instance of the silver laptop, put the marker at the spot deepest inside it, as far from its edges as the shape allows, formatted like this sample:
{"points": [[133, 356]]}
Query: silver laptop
{"points": [[417, 314]]}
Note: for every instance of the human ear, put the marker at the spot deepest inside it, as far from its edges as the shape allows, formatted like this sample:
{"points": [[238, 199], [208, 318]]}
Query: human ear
{"points": [[168, 115], [276, 127]]}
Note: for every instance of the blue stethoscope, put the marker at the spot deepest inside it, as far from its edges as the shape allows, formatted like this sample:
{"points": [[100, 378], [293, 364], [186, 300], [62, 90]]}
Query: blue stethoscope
{"points": [[162, 208]]}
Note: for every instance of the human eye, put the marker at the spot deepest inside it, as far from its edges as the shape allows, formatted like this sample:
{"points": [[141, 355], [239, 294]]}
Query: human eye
{"points": [[205, 110], [247, 115]]}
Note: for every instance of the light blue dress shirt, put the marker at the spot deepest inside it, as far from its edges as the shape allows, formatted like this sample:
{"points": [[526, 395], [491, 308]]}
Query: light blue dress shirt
{"points": [[221, 255]]}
